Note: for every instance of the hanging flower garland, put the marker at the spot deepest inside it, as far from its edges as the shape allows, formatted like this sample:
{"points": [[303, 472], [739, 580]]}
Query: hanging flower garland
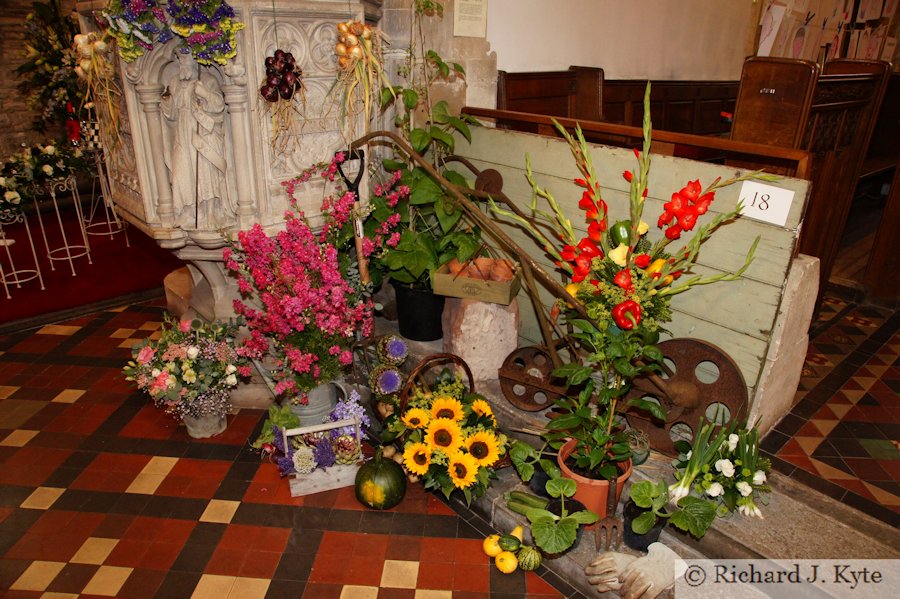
{"points": [[207, 27]]}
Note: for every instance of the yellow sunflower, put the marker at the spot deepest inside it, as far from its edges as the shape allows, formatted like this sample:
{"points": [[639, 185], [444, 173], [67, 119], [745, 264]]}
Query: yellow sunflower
{"points": [[447, 407], [417, 458], [484, 447], [483, 408], [443, 434], [462, 468], [416, 418]]}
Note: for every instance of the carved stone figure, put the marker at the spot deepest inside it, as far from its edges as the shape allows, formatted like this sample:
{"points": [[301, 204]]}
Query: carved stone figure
{"points": [[196, 161]]}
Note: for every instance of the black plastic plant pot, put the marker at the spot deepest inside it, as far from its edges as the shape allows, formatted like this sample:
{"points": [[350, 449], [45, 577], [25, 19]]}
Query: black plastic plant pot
{"points": [[636, 541], [419, 313]]}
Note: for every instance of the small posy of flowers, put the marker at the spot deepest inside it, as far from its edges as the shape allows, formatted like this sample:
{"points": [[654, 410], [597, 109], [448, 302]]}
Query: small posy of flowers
{"points": [[724, 468], [305, 453], [206, 27], [449, 437], [190, 369]]}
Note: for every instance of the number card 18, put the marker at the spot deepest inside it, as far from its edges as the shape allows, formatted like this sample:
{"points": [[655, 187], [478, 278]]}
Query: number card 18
{"points": [[767, 203]]}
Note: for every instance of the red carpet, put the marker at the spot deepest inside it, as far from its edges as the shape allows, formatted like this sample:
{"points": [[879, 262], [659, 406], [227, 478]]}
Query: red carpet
{"points": [[115, 270]]}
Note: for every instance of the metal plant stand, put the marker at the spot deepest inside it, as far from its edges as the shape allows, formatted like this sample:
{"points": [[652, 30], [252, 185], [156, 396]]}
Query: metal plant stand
{"points": [[102, 218], [69, 249], [16, 276]]}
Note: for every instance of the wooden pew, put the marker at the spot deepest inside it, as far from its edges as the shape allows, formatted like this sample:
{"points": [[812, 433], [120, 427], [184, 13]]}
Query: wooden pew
{"points": [[830, 113], [574, 93]]}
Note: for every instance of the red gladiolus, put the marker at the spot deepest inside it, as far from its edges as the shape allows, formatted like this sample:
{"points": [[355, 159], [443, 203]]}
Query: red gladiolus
{"points": [[589, 248], [642, 260], [582, 268], [673, 232], [596, 229], [637, 154], [688, 218], [702, 204], [581, 183], [692, 190], [665, 218], [628, 176]]}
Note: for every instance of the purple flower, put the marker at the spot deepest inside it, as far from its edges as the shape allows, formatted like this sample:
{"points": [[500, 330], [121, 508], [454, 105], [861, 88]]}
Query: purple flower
{"points": [[393, 350], [324, 455], [389, 382]]}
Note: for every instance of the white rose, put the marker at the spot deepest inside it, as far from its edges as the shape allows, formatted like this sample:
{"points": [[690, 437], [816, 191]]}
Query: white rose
{"points": [[732, 442], [715, 490], [155, 372], [12, 197], [49, 150], [759, 477], [193, 351], [48, 170], [231, 380], [231, 368], [744, 488], [725, 467]]}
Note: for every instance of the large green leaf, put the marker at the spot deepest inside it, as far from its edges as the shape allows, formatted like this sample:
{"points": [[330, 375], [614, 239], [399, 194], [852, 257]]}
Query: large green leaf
{"points": [[442, 137], [410, 98], [656, 410], [561, 487], [694, 515], [552, 536], [461, 126], [447, 212], [642, 493], [583, 517], [440, 112], [643, 523]]}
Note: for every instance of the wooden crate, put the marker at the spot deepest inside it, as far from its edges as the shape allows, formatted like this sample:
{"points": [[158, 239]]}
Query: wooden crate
{"points": [[494, 292], [334, 477]]}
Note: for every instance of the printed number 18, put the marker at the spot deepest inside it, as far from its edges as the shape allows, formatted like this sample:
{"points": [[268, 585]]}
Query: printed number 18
{"points": [[763, 203]]}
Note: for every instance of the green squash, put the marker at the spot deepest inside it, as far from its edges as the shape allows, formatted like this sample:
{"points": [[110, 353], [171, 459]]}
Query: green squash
{"points": [[380, 484], [529, 558]]}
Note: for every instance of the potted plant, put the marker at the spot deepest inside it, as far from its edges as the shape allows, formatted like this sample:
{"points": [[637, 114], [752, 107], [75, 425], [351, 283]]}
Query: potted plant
{"points": [[556, 525], [190, 372], [718, 473], [432, 228], [621, 284], [304, 302]]}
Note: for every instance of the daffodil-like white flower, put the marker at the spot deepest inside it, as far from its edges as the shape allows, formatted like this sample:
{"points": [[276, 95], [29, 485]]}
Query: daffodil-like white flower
{"points": [[759, 477], [746, 507], [744, 488], [715, 489], [725, 467], [193, 351], [732, 442]]}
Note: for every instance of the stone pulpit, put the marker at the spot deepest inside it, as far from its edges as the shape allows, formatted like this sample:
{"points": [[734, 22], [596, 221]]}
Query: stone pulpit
{"points": [[194, 161]]}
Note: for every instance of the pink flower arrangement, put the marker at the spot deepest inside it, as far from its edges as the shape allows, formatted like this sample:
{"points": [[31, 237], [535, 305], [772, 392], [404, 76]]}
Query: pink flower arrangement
{"points": [[307, 306]]}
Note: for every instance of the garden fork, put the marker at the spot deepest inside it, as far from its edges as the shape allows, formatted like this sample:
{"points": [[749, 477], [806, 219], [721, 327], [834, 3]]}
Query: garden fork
{"points": [[608, 532]]}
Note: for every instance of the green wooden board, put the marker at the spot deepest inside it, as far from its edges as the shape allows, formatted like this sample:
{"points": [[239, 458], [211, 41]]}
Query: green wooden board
{"points": [[736, 316]]}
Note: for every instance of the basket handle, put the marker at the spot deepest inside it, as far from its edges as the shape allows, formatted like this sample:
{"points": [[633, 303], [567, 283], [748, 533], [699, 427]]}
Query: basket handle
{"points": [[424, 365]]}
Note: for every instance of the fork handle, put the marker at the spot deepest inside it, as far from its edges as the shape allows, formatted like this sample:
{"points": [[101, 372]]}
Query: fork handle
{"points": [[611, 502]]}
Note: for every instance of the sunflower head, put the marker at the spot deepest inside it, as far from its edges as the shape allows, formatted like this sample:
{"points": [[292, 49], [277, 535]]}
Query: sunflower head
{"points": [[462, 468], [447, 407], [417, 458], [444, 434], [483, 408], [415, 418], [484, 447]]}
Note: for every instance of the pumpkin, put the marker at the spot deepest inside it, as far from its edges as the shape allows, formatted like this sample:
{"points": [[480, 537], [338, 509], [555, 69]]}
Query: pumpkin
{"points": [[380, 484]]}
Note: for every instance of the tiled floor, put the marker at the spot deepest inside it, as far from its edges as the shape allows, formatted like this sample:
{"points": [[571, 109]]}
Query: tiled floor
{"points": [[842, 436], [102, 495]]}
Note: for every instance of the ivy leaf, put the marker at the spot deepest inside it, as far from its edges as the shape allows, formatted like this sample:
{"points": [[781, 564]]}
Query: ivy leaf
{"points": [[426, 191], [694, 515], [419, 138], [458, 68], [440, 112], [410, 98]]}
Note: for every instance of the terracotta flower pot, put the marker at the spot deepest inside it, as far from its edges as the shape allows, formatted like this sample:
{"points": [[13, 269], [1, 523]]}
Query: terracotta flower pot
{"points": [[591, 492]]}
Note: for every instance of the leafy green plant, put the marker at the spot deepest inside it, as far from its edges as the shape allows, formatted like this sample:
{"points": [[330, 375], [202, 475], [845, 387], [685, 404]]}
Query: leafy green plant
{"points": [[434, 230], [554, 533], [691, 514]]}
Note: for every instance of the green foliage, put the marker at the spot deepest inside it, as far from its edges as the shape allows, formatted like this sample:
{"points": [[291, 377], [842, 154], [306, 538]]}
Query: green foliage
{"points": [[692, 514], [280, 416], [48, 71]]}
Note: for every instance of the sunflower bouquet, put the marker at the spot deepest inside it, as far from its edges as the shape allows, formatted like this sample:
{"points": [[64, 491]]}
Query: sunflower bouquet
{"points": [[448, 437]]}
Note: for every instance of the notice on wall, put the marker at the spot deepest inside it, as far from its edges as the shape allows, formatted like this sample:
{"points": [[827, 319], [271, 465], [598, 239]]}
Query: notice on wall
{"points": [[767, 203], [470, 18]]}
